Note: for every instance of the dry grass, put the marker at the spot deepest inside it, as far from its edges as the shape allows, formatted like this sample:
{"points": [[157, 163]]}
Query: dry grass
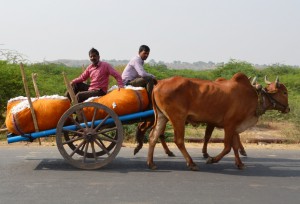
{"points": [[288, 132]]}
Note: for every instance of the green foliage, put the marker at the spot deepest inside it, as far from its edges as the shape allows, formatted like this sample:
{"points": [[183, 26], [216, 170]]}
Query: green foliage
{"points": [[10, 83], [162, 72], [233, 66]]}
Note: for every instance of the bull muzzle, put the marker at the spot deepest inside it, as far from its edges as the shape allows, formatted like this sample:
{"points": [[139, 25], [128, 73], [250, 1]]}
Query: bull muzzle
{"points": [[286, 110]]}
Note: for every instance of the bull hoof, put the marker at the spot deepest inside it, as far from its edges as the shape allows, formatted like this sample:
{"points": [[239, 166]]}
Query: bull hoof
{"points": [[210, 160], [241, 166], [136, 150], [152, 166], [243, 152], [170, 154], [205, 155], [193, 167]]}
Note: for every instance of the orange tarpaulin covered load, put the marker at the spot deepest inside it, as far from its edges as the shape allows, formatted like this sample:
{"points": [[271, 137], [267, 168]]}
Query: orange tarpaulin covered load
{"points": [[127, 100], [48, 110], [13, 102]]}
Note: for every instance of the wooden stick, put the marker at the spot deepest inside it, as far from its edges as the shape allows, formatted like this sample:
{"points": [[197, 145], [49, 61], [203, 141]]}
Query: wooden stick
{"points": [[83, 69], [3, 130], [37, 93], [34, 76], [29, 99], [72, 94], [70, 89]]}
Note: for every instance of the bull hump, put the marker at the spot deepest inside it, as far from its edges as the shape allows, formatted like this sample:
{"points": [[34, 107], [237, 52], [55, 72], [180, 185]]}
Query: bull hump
{"points": [[240, 77]]}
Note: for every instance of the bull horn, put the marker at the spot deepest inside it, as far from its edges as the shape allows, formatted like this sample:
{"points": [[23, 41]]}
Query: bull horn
{"points": [[277, 82], [266, 81], [254, 81]]}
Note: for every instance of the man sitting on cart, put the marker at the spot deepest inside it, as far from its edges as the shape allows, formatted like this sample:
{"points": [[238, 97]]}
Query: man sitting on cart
{"points": [[134, 73], [99, 73]]}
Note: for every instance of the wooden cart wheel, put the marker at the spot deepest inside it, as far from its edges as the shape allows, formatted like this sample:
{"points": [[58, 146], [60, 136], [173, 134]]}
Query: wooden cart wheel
{"points": [[89, 144]]}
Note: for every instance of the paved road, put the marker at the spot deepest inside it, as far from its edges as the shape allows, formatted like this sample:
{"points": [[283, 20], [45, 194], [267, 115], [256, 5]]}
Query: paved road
{"points": [[40, 175]]}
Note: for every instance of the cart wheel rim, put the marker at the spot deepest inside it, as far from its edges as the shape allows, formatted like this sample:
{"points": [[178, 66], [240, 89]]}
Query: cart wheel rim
{"points": [[92, 143]]}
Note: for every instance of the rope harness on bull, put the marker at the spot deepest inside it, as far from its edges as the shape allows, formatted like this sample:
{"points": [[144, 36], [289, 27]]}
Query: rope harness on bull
{"points": [[262, 107], [263, 94], [260, 110]]}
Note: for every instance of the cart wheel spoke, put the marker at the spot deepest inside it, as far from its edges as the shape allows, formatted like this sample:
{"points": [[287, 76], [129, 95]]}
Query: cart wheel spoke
{"points": [[108, 130], [102, 146], [102, 122], [73, 140], [94, 117], [75, 122], [82, 148], [107, 138], [93, 150], [82, 143], [76, 133], [81, 112], [85, 151]]}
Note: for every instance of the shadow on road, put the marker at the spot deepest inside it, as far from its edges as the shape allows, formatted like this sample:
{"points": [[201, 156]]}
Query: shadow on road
{"points": [[258, 167]]}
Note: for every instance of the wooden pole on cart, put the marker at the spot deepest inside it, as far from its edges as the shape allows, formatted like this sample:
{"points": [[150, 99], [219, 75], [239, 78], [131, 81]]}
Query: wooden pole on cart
{"points": [[3, 130], [37, 93], [72, 94], [70, 89], [83, 69], [29, 99]]}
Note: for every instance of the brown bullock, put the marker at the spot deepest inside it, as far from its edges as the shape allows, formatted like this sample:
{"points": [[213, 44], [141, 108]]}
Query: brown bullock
{"points": [[145, 125], [233, 105]]}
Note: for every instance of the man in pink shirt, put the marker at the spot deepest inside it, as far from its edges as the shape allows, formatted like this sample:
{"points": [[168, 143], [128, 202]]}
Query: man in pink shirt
{"points": [[99, 73], [134, 73]]}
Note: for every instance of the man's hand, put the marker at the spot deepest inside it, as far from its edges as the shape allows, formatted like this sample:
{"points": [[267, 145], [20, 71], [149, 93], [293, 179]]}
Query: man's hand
{"points": [[119, 87]]}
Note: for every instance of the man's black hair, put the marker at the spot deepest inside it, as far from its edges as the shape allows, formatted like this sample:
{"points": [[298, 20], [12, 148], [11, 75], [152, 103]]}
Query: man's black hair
{"points": [[93, 50], [144, 48]]}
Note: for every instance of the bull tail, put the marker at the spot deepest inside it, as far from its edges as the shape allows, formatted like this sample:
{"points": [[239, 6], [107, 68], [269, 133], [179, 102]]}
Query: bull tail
{"points": [[154, 105]]}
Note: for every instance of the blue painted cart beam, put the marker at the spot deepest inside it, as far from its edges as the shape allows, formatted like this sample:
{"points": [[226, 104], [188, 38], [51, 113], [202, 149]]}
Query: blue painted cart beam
{"points": [[46, 133]]}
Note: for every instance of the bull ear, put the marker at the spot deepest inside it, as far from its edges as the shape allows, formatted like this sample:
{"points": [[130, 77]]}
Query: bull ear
{"points": [[254, 81], [258, 87], [277, 82], [266, 81]]}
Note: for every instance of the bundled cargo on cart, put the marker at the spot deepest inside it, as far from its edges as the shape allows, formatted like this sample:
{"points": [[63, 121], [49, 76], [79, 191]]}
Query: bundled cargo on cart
{"points": [[123, 101], [48, 110]]}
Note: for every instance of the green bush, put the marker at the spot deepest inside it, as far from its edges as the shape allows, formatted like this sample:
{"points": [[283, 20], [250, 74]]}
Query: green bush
{"points": [[233, 66]]}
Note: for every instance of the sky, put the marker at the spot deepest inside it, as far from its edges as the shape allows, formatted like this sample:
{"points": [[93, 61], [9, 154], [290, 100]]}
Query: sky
{"points": [[256, 31]]}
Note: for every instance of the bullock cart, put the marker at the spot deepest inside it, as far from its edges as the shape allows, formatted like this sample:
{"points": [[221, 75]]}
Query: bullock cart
{"points": [[89, 135], [82, 140]]}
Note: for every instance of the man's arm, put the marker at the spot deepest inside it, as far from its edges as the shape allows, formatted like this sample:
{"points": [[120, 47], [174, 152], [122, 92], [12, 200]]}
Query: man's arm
{"points": [[116, 75], [84, 76], [140, 69]]}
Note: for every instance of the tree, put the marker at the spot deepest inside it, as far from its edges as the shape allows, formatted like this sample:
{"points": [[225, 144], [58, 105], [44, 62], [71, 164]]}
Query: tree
{"points": [[12, 56]]}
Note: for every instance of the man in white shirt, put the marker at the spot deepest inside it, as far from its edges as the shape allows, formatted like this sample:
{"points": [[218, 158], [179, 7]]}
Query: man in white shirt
{"points": [[134, 73]]}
